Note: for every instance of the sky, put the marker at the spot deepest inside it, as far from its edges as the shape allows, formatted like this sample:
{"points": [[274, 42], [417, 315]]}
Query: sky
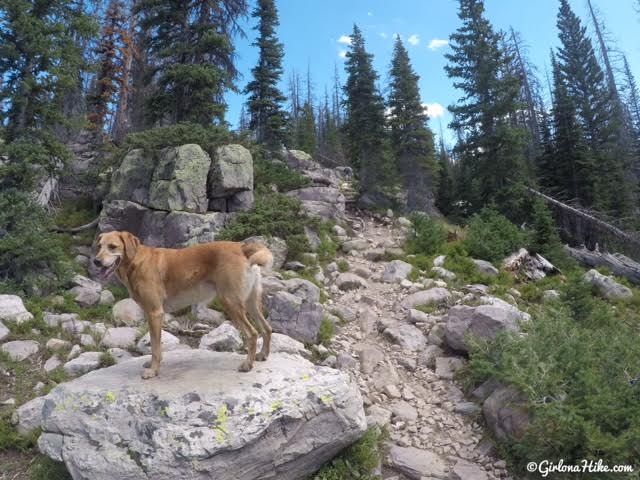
{"points": [[315, 33]]}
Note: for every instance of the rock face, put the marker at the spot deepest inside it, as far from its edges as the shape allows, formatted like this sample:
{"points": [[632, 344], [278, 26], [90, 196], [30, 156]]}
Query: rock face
{"points": [[202, 419], [482, 322], [323, 202], [294, 316], [607, 286], [12, 309], [179, 196], [505, 413]]}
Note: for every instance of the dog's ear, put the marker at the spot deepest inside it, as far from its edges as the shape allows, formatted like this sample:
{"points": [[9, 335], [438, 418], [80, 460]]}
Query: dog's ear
{"points": [[96, 241], [131, 244]]}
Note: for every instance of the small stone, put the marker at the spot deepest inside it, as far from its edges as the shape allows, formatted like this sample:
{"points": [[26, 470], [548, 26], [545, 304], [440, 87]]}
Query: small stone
{"points": [[106, 298], [404, 411], [19, 350], [85, 362], [52, 363], [392, 391], [121, 337], [86, 340], [75, 351], [225, 338]]}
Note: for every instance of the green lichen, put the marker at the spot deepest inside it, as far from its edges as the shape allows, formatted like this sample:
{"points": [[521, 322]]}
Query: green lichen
{"points": [[110, 397]]}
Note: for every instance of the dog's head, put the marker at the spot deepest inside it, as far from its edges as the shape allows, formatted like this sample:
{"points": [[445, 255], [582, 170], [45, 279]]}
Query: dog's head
{"points": [[112, 249]]}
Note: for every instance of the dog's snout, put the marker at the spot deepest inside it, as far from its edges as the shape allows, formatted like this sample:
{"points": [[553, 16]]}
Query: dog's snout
{"points": [[97, 262]]}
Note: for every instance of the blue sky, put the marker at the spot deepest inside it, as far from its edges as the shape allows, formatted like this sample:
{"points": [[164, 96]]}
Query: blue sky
{"points": [[314, 33]]}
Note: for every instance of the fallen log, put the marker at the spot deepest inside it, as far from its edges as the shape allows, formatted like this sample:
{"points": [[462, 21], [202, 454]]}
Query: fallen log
{"points": [[529, 266], [619, 264], [82, 228]]}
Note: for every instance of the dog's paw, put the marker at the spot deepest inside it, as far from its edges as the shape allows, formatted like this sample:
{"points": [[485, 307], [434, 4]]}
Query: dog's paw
{"points": [[245, 366], [261, 357], [148, 373]]}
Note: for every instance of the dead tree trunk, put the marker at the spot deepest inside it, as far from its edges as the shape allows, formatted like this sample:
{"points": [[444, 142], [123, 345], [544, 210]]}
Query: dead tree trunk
{"points": [[619, 264]]}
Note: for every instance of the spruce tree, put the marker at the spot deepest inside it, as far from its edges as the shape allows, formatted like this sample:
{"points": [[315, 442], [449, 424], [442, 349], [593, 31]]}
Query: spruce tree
{"points": [[632, 95], [597, 110], [40, 62], [445, 195], [192, 43], [411, 138], [571, 174], [491, 146], [268, 119], [365, 121]]}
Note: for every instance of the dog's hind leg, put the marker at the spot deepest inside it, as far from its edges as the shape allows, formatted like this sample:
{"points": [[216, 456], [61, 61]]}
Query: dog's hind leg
{"points": [[155, 318], [234, 308], [254, 305]]}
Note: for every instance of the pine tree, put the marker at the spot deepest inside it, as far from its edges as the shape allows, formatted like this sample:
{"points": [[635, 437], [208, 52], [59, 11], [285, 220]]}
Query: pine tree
{"points": [[268, 119], [411, 138], [597, 111], [445, 196], [40, 62], [111, 65], [191, 39], [122, 123], [572, 173], [491, 145], [633, 102], [306, 129], [364, 127]]}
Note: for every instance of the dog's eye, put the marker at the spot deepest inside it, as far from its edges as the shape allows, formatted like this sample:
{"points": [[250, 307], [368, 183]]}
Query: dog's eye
{"points": [[112, 246]]}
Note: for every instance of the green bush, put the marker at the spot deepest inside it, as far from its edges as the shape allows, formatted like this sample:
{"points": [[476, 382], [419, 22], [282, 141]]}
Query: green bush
{"points": [[491, 236], [266, 173], [272, 215], [359, 461], [544, 238], [209, 137], [326, 331], [578, 365], [46, 469], [30, 254], [427, 236]]}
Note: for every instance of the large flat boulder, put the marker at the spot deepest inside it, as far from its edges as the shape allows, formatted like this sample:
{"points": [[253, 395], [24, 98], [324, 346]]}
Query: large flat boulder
{"points": [[323, 202], [483, 322], [131, 180], [179, 180], [606, 286], [294, 316], [200, 418], [432, 296], [13, 310], [231, 171]]}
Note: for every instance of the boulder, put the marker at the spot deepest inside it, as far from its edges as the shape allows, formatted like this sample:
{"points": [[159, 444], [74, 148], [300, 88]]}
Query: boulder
{"points": [[486, 267], [446, 367], [432, 296], [416, 464], [299, 160], [179, 181], [19, 350], [407, 336], [131, 180], [284, 344], [396, 271], [13, 310], [276, 246], [127, 312], [606, 286], [322, 202], [231, 171], [296, 317], [225, 338], [482, 323], [204, 314], [106, 298], [350, 281], [119, 355], [465, 470], [168, 341], [83, 363], [443, 273], [182, 229], [506, 414], [239, 202], [202, 419], [303, 289], [120, 337], [28, 416], [355, 244], [52, 363], [491, 300], [74, 325], [86, 292]]}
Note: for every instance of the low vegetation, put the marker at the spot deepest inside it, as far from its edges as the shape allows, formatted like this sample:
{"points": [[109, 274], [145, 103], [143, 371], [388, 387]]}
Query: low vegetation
{"points": [[491, 236], [427, 237]]}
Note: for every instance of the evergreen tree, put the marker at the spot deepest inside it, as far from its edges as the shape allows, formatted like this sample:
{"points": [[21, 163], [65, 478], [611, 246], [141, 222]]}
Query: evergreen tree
{"points": [[110, 66], [491, 146], [40, 62], [306, 129], [445, 196], [364, 127], [597, 111], [572, 173], [632, 94], [268, 119], [191, 40], [411, 138]]}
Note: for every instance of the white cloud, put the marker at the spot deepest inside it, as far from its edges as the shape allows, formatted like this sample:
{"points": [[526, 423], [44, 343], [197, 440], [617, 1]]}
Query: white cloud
{"points": [[369, 14], [434, 110], [383, 35], [437, 43], [413, 40], [342, 54], [345, 39]]}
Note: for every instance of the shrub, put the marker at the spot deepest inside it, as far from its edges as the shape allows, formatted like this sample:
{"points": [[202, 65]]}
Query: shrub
{"points": [[343, 265], [326, 331], [428, 235], [209, 137], [46, 469], [544, 238], [266, 172], [30, 254], [491, 236], [359, 461], [578, 366], [273, 215]]}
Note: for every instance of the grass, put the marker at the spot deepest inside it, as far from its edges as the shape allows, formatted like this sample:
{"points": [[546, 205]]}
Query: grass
{"points": [[46, 469], [106, 360], [10, 439], [357, 462], [326, 331], [343, 265]]}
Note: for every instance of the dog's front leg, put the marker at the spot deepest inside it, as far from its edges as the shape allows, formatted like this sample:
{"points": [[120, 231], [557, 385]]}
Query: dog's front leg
{"points": [[155, 318]]}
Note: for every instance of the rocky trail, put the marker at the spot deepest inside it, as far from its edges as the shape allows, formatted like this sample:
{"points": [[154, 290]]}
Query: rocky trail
{"points": [[403, 369]]}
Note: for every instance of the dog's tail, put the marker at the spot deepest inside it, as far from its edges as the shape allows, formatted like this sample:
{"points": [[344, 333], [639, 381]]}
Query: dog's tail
{"points": [[258, 254]]}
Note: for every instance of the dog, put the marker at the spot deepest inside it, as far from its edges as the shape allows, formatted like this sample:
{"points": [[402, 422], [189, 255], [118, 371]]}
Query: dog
{"points": [[166, 280]]}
